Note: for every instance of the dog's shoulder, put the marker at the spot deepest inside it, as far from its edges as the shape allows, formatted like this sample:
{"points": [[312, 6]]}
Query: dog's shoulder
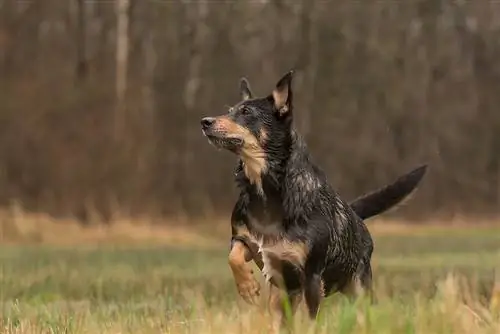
{"points": [[308, 187], [302, 175]]}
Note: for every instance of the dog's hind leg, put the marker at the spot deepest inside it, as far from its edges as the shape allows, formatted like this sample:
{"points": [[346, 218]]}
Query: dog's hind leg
{"points": [[365, 275], [366, 279], [361, 284]]}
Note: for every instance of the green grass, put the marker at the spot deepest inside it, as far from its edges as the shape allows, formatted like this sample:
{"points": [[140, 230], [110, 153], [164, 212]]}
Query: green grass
{"points": [[152, 289]]}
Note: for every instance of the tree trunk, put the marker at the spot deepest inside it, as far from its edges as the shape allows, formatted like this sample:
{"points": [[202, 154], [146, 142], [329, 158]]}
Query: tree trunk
{"points": [[81, 58], [308, 60], [122, 41]]}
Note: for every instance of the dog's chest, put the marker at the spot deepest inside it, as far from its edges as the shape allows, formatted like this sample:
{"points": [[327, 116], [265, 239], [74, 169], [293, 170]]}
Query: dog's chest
{"points": [[266, 227], [265, 218], [275, 252]]}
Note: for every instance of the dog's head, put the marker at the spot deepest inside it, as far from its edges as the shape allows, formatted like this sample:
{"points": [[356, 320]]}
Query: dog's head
{"points": [[253, 125]]}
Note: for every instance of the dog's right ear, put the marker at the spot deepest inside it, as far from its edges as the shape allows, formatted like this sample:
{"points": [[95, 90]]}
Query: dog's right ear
{"points": [[245, 92]]}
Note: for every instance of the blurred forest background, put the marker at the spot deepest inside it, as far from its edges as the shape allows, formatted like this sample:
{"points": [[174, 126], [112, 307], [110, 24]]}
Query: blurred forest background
{"points": [[100, 101]]}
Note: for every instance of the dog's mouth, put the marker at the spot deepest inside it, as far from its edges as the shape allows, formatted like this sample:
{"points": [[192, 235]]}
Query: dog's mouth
{"points": [[223, 141]]}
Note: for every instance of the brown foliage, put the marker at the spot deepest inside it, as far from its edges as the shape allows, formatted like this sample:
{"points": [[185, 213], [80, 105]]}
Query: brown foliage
{"points": [[381, 87]]}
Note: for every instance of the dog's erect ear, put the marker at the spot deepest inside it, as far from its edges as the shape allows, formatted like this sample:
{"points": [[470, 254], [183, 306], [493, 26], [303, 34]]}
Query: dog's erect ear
{"points": [[245, 91], [282, 94]]}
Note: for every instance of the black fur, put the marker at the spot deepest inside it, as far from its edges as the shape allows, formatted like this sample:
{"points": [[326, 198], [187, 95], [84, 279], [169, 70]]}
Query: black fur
{"points": [[383, 199], [379, 200], [293, 201]]}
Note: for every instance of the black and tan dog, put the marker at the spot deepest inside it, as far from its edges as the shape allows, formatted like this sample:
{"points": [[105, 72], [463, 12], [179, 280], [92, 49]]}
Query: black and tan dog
{"points": [[305, 239]]}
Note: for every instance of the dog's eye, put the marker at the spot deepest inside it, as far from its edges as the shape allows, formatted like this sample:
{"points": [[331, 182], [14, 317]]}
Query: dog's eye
{"points": [[245, 111]]}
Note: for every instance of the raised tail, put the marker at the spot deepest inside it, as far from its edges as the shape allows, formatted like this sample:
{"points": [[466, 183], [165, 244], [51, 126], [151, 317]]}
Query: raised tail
{"points": [[382, 199]]}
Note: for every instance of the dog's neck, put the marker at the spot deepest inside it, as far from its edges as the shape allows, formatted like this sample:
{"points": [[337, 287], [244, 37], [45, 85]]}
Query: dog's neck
{"points": [[263, 168], [253, 164]]}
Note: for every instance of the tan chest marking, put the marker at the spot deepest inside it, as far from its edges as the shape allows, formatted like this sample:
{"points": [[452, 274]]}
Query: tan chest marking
{"points": [[281, 250]]}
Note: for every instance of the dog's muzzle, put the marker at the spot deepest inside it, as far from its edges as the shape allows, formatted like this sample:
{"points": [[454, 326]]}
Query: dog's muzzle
{"points": [[207, 122], [217, 138]]}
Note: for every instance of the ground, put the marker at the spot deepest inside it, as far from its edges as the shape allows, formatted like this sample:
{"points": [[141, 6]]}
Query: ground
{"points": [[427, 280]]}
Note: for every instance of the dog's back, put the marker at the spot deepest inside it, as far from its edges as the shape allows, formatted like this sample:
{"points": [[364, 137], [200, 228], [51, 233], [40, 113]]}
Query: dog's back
{"points": [[341, 245]]}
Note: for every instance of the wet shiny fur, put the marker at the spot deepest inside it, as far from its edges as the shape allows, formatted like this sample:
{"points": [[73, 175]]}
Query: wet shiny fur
{"points": [[303, 236]]}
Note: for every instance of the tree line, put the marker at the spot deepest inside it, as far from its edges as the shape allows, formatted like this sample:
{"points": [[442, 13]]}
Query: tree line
{"points": [[100, 101]]}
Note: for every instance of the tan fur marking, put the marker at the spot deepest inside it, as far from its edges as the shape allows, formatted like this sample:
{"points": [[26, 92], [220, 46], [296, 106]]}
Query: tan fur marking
{"points": [[263, 136], [280, 97], [284, 250], [247, 285], [293, 252], [252, 154]]}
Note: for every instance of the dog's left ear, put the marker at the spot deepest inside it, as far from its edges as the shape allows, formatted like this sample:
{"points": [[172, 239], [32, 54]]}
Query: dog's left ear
{"points": [[245, 91], [282, 94]]}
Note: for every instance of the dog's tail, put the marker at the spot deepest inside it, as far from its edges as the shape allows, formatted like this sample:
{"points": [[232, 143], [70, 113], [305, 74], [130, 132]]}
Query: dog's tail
{"points": [[382, 199]]}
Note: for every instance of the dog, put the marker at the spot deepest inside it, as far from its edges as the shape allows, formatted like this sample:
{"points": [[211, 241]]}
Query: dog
{"points": [[307, 241]]}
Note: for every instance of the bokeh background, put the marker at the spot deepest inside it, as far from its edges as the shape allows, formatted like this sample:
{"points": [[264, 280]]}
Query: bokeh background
{"points": [[100, 106]]}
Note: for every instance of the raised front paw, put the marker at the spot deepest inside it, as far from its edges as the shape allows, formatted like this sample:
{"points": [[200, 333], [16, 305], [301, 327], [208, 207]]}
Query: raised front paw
{"points": [[248, 288]]}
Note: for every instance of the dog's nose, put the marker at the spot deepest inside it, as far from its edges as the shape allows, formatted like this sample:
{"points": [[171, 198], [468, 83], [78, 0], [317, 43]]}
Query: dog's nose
{"points": [[206, 122]]}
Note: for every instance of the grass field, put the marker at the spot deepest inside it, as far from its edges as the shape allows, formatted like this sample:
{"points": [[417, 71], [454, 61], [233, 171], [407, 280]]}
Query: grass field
{"points": [[434, 282]]}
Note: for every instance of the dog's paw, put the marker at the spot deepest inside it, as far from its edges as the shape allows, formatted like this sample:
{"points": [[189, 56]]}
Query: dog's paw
{"points": [[248, 288]]}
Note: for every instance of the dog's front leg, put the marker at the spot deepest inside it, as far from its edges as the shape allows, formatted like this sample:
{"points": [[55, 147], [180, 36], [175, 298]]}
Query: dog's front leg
{"points": [[239, 257], [313, 283], [256, 256], [313, 293]]}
